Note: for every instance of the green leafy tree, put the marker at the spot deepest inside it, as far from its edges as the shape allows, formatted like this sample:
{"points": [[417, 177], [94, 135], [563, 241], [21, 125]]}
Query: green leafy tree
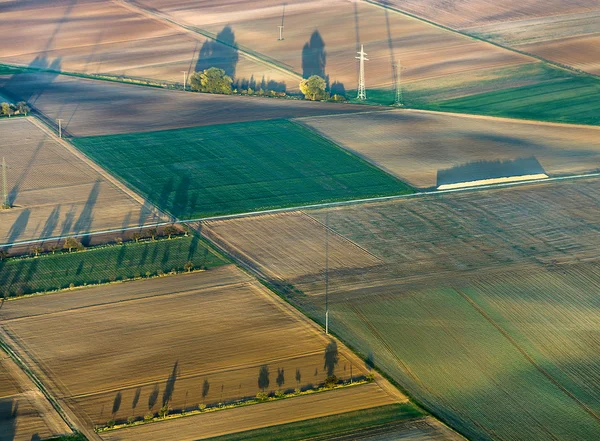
{"points": [[136, 236], [170, 230], [71, 243], [212, 80], [3, 255], [153, 232], [188, 267], [7, 110], [23, 108], [313, 88]]}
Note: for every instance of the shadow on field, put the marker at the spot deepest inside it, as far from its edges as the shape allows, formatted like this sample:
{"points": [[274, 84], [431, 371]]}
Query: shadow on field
{"points": [[314, 57], [84, 222], [14, 191], [8, 413], [222, 53], [19, 226], [478, 170]]}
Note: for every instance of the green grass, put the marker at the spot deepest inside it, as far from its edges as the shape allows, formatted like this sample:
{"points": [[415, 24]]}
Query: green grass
{"points": [[335, 425], [569, 100], [455, 361], [237, 168], [535, 91], [103, 264]]}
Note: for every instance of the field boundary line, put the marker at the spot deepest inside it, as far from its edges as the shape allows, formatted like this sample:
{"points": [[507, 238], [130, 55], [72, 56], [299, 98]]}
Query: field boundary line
{"points": [[526, 355], [316, 206], [478, 38]]}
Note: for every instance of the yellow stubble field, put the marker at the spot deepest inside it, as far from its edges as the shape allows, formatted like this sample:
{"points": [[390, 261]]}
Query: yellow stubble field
{"points": [[218, 326]]}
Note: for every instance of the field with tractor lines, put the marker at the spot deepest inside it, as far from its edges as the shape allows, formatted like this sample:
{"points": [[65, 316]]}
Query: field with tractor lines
{"points": [[460, 274], [237, 168], [74, 37], [174, 340], [53, 192], [430, 149]]}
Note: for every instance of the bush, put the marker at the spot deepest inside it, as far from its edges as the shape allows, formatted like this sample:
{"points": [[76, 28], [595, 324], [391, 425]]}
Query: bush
{"points": [[262, 396], [279, 394], [148, 417], [370, 377], [130, 419], [164, 411], [202, 407], [110, 423]]}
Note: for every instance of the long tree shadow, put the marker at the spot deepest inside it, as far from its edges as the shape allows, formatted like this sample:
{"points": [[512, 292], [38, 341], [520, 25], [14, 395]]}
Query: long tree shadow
{"points": [[14, 191], [84, 221], [222, 53], [8, 413], [314, 57], [19, 226], [50, 223]]}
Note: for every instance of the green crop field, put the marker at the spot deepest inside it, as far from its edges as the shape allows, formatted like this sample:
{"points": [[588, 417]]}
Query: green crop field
{"points": [[334, 425], [48, 272], [569, 100], [535, 91], [510, 357], [237, 168]]}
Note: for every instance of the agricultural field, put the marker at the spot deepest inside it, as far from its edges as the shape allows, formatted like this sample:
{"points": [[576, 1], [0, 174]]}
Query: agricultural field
{"points": [[570, 40], [90, 107], [512, 269], [74, 37], [346, 406], [25, 414], [103, 264], [237, 168], [426, 149], [399, 421], [54, 191], [323, 37], [563, 32], [172, 339]]}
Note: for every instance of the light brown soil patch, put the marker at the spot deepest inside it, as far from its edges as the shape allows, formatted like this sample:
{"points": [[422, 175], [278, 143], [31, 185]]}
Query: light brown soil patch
{"points": [[415, 145], [53, 192]]}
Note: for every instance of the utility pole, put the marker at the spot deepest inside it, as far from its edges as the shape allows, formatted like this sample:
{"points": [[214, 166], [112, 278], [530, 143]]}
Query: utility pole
{"points": [[398, 71], [5, 203], [327, 273], [59, 128], [362, 91], [280, 32], [184, 72]]}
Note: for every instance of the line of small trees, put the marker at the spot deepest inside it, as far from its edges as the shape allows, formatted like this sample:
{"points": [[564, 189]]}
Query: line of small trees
{"points": [[9, 109], [331, 359]]}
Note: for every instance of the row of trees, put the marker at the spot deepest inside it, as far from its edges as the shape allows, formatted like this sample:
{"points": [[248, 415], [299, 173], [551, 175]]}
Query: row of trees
{"points": [[331, 359], [215, 80], [21, 108]]}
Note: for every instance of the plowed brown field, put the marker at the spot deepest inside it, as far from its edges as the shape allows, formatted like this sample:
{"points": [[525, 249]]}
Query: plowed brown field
{"points": [[97, 37], [219, 325], [91, 107], [53, 192], [323, 37]]}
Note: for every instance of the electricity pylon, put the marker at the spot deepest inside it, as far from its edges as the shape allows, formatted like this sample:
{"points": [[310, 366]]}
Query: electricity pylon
{"points": [[398, 68], [362, 90], [280, 32]]}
